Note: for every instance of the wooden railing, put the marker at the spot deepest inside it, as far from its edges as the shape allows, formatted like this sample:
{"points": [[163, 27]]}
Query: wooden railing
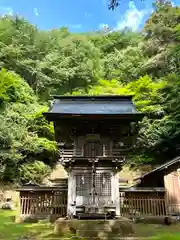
{"points": [[55, 206], [142, 206], [42, 206], [67, 154]]}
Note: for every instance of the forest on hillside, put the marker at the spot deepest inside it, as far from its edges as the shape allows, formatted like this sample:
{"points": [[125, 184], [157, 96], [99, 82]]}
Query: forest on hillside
{"points": [[36, 64]]}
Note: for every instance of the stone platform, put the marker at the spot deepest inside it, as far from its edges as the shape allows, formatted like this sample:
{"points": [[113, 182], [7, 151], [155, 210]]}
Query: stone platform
{"points": [[95, 229]]}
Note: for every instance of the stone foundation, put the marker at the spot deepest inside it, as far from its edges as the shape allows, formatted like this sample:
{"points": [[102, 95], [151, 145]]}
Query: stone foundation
{"points": [[98, 229]]}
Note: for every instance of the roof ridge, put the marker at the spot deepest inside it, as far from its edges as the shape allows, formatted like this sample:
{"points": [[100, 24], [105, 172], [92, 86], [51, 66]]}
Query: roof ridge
{"points": [[90, 97], [164, 165]]}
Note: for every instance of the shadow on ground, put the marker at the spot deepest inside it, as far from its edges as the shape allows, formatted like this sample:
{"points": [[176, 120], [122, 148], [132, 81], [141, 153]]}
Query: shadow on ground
{"points": [[9, 230]]}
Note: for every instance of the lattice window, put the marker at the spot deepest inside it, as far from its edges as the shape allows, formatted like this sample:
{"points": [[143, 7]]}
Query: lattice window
{"points": [[103, 184], [83, 184], [102, 181]]}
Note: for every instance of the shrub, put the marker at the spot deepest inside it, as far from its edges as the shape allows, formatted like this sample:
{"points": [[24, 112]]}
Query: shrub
{"points": [[35, 171]]}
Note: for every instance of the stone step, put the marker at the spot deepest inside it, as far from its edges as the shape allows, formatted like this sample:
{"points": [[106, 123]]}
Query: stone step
{"points": [[95, 229]]}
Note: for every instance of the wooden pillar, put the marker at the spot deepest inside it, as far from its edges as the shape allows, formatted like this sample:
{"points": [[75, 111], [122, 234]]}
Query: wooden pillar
{"points": [[71, 208], [115, 193]]}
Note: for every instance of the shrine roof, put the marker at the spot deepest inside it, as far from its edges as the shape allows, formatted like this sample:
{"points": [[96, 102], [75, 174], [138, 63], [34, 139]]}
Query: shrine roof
{"points": [[92, 105], [161, 167]]}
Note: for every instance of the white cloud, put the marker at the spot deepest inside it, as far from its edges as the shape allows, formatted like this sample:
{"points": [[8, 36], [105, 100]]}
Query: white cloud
{"points": [[6, 11], [132, 18], [173, 3], [103, 26], [76, 26], [36, 12]]}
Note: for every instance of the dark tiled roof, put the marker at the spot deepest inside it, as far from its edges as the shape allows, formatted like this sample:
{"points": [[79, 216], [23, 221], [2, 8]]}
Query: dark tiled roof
{"points": [[91, 105], [93, 97], [94, 107]]}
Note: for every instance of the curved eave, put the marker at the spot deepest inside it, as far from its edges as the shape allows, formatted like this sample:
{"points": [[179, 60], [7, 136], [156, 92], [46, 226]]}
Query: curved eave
{"points": [[128, 116], [93, 97]]}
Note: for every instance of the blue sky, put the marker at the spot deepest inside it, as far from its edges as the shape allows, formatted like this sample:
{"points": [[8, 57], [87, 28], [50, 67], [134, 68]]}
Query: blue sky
{"points": [[80, 15]]}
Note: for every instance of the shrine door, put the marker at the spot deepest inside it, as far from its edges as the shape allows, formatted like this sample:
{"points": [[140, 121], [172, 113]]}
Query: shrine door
{"points": [[94, 188], [93, 149]]}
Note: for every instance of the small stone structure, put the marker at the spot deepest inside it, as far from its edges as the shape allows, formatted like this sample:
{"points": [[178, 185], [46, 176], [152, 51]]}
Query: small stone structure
{"points": [[95, 229], [8, 204]]}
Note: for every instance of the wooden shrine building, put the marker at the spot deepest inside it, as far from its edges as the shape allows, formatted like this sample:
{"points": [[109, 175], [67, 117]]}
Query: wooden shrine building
{"points": [[167, 178], [95, 135]]}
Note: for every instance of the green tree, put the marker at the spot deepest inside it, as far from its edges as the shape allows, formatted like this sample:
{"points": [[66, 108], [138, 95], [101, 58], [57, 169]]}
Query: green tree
{"points": [[40, 63], [25, 136], [162, 45], [124, 65]]}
